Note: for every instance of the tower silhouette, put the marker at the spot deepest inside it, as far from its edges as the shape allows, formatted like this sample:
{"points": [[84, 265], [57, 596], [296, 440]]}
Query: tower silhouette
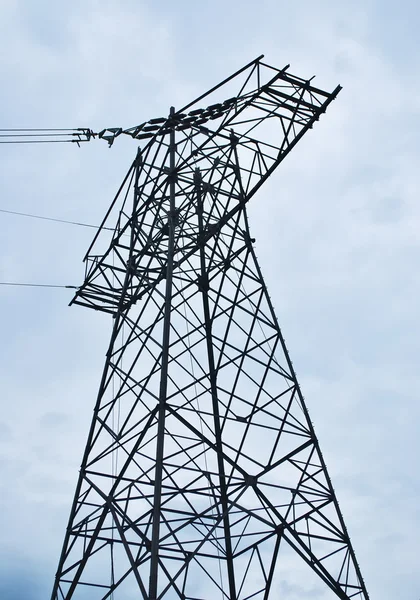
{"points": [[201, 463]]}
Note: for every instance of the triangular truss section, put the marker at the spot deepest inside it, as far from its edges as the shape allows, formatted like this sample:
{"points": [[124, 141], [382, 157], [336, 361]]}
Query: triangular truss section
{"points": [[201, 463]]}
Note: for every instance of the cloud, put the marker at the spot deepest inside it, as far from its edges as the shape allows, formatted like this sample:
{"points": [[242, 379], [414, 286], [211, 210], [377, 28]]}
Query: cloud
{"points": [[337, 237], [292, 592]]}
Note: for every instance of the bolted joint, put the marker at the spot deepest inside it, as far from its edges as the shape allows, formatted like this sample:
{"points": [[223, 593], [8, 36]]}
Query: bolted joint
{"points": [[226, 264], [197, 177], [148, 544], [247, 238], [201, 240], [131, 266], [173, 220], [208, 187], [173, 215], [203, 283], [212, 228], [171, 173], [251, 480]]}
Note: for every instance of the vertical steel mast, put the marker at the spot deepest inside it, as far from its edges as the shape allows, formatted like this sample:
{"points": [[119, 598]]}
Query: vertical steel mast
{"points": [[202, 465]]}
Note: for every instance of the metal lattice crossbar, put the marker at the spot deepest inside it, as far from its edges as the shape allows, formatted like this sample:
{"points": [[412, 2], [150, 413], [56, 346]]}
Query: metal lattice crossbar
{"points": [[201, 462]]}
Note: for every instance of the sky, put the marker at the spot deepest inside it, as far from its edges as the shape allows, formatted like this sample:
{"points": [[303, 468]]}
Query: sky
{"points": [[336, 231]]}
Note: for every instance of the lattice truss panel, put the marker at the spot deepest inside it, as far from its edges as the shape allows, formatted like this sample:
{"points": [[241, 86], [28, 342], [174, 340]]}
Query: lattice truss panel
{"points": [[201, 463]]}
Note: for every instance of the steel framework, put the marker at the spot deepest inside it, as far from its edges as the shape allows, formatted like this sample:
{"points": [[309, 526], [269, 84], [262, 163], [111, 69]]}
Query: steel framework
{"points": [[201, 462]]}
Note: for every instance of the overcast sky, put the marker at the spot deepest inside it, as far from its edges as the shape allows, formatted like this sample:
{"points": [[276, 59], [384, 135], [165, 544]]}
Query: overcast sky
{"points": [[337, 235]]}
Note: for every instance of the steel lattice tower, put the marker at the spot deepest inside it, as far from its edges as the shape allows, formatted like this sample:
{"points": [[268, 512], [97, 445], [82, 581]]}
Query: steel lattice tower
{"points": [[201, 461]]}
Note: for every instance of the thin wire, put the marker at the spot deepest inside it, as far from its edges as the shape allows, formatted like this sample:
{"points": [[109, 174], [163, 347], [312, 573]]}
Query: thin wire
{"points": [[3, 135], [215, 536], [22, 129], [252, 307], [41, 141], [119, 397], [75, 135], [21, 214], [114, 474], [44, 285], [114, 455]]}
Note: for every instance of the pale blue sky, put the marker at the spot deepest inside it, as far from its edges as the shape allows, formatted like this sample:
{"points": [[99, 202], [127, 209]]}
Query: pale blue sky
{"points": [[337, 231]]}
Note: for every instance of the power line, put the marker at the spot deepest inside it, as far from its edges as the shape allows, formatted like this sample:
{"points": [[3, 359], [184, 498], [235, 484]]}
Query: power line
{"points": [[44, 285], [75, 135], [7, 135], [22, 214], [32, 129], [39, 141]]}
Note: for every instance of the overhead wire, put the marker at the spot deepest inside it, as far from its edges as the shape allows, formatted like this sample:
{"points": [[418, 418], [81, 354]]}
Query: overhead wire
{"points": [[35, 129], [39, 141], [74, 135], [5, 135], [44, 285], [22, 214], [207, 470]]}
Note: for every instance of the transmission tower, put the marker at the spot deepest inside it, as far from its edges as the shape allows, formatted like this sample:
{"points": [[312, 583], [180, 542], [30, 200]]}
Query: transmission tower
{"points": [[201, 463]]}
